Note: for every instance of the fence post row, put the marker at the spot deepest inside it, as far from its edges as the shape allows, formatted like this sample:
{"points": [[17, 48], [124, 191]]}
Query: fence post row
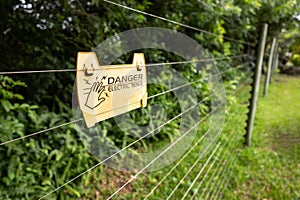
{"points": [[255, 84], [269, 69]]}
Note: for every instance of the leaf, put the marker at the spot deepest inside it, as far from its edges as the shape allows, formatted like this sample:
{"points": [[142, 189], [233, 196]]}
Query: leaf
{"points": [[6, 105], [18, 96], [32, 115], [33, 107], [11, 175], [12, 167], [46, 181], [72, 190]]}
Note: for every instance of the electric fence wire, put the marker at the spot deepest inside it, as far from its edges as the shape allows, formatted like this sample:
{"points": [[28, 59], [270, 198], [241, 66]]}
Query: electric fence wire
{"points": [[177, 163], [196, 178], [205, 191], [223, 156], [221, 171], [222, 179], [216, 169], [189, 172], [206, 174], [162, 153], [185, 176], [126, 147], [190, 169], [225, 174], [200, 172], [103, 67], [177, 23], [229, 174]]}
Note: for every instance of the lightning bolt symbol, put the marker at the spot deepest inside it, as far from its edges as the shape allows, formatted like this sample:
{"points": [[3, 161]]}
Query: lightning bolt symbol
{"points": [[87, 82]]}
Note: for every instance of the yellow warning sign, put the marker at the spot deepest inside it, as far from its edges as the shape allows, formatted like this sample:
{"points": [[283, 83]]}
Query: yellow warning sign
{"points": [[106, 91]]}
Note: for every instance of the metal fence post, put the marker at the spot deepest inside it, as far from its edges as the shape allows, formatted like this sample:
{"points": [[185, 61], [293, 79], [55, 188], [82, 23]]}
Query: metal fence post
{"points": [[255, 84], [269, 69]]}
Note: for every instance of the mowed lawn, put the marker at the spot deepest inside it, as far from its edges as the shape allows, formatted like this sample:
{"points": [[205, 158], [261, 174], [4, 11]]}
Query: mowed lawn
{"points": [[270, 168]]}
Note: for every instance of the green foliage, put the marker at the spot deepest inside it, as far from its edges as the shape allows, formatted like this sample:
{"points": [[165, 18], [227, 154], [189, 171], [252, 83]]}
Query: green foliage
{"points": [[296, 59], [289, 47], [34, 166]]}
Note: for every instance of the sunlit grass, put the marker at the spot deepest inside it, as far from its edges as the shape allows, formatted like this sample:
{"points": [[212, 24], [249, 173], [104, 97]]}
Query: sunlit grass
{"points": [[270, 168]]}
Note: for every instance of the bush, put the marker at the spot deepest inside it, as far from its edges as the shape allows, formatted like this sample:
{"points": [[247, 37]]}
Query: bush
{"points": [[36, 165], [296, 59]]}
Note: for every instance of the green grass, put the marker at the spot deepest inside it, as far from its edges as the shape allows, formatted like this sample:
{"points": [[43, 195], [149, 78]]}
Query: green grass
{"points": [[270, 168]]}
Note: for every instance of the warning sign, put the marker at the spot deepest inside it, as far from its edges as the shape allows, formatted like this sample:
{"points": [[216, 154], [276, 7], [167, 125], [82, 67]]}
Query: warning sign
{"points": [[106, 91]]}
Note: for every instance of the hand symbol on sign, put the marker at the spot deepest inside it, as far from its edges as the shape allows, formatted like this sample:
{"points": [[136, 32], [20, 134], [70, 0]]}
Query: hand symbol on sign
{"points": [[94, 98]]}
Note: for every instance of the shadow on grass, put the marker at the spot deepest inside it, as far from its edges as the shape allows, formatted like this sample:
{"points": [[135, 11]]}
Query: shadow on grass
{"points": [[285, 141]]}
